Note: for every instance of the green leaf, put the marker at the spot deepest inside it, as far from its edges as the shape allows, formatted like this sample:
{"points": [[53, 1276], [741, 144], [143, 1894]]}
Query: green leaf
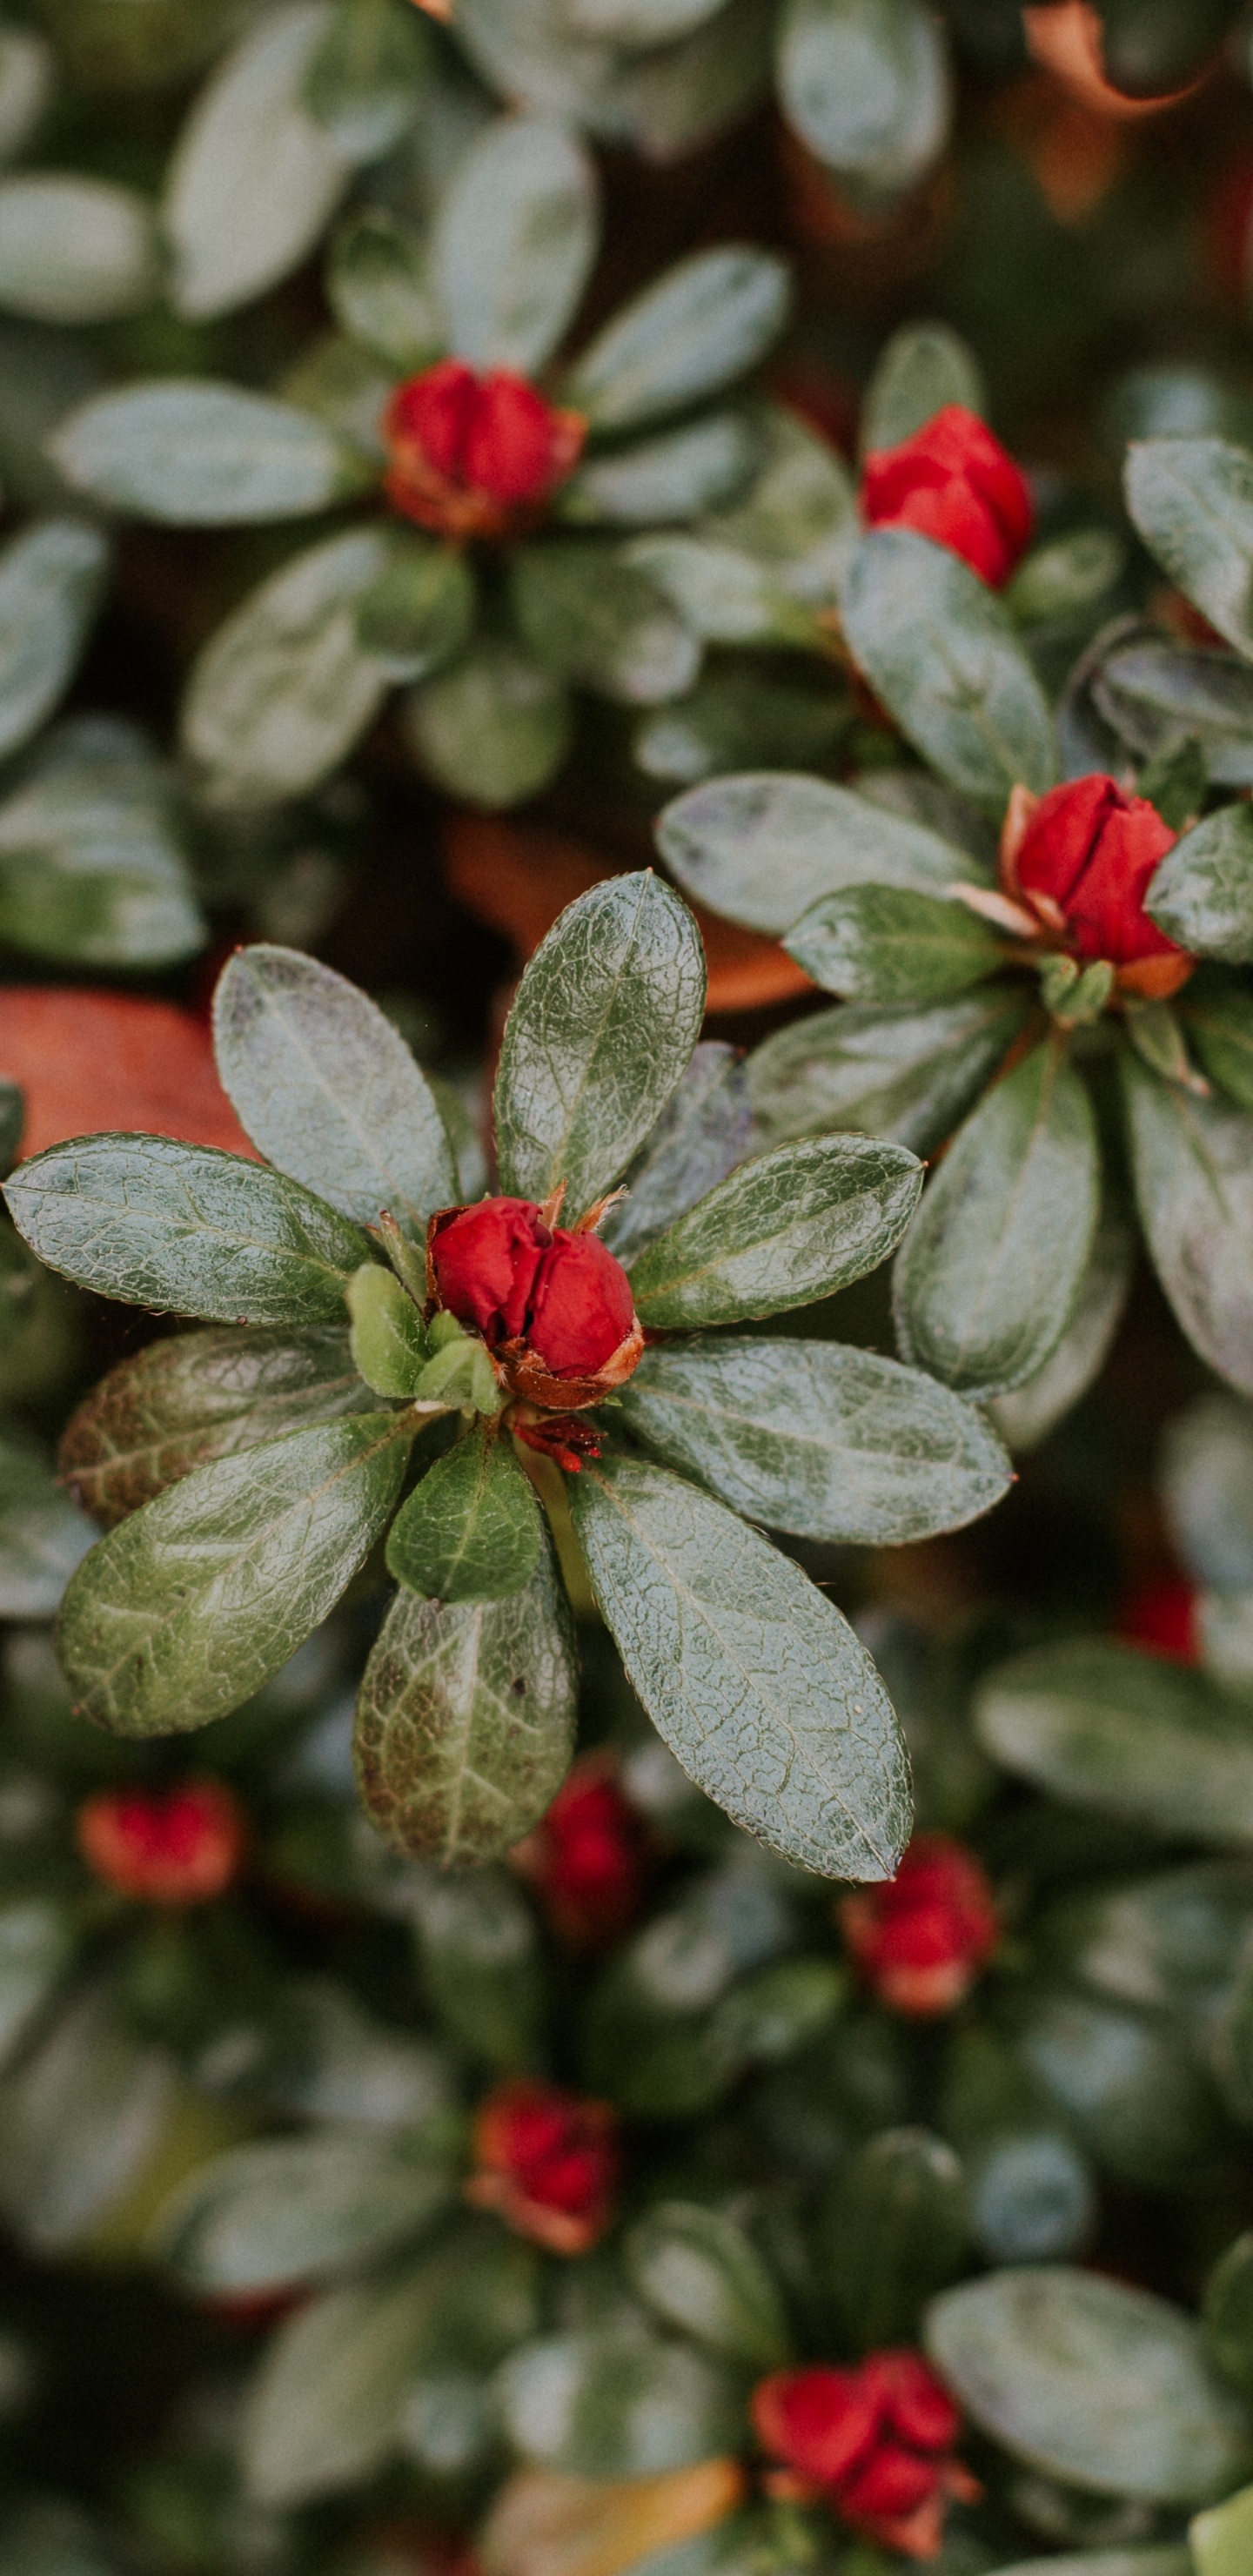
{"points": [[293, 2212], [201, 1396], [670, 476], [722, 595], [699, 325], [617, 2402], [1026, 1416], [765, 847], [1067, 578], [514, 243], [80, 2117], [736, 709], [791, 1225], [1202, 894], [596, 617], [1129, 2085], [1108, 2562], [876, 943], [187, 1607], [1129, 1734], [907, 1074], [632, 23], [894, 2229], [1219, 1021], [51, 578], [379, 289], [472, 1530], [187, 1229], [822, 1441], [941, 651], [43, 1535], [1192, 501], [704, 2277], [420, 611], [27, 74], [465, 1723], [493, 728], [204, 455], [1221, 2539], [325, 2407], [865, 84], [1088, 2381], [702, 1133], [37, 1945], [283, 689], [346, 386], [603, 1025], [364, 85], [91, 869], [798, 519], [990, 1272], [328, 1089], [1206, 1486], [752, 1676], [924, 367], [1227, 2315], [74, 249], [253, 177], [1193, 1166], [478, 1942], [389, 1344], [1157, 695]]}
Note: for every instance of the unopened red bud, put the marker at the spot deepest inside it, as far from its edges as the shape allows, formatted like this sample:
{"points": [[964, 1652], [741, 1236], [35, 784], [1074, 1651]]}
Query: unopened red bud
{"points": [[1160, 1618], [1081, 859], [548, 2162], [585, 1860], [953, 481], [472, 456], [553, 1306], [165, 1847], [873, 2442], [921, 1941]]}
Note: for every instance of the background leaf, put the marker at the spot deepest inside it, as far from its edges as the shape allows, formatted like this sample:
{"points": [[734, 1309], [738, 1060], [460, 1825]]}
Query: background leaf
{"points": [[379, 287], [789, 1226], [328, 1089], [364, 85], [765, 847], [43, 1535], [615, 2404], [92, 865], [704, 2277], [922, 368], [865, 84], [751, 1676], [694, 330], [205, 455], [284, 687], [1126, 1733], [187, 1607], [494, 727], [74, 249], [604, 1022], [514, 244], [1192, 501], [596, 617], [894, 2229], [1202, 894], [51, 578], [285, 2211], [670, 476], [1193, 1166], [253, 177], [941, 652], [465, 1720], [905, 1074]]}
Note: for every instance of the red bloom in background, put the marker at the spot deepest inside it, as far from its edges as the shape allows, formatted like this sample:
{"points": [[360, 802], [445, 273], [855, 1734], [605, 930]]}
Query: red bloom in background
{"points": [[553, 1306], [921, 1941], [548, 2162], [1080, 860], [585, 1860], [874, 2442], [955, 483], [1160, 1618], [166, 1847], [475, 456]]}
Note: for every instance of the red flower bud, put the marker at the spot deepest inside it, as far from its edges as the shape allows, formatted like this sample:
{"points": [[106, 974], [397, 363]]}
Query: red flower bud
{"points": [[953, 482], [166, 1847], [1160, 1618], [1081, 859], [475, 456], [548, 2162], [921, 1941], [554, 1307], [585, 1860], [875, 2441]]}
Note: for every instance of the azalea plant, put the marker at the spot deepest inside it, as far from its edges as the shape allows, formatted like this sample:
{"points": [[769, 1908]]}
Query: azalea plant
{"points": [[363, 1314]]}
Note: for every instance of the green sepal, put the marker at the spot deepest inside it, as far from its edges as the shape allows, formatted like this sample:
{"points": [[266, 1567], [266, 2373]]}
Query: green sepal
{"points": [[461, 1372], [387, 1340]]}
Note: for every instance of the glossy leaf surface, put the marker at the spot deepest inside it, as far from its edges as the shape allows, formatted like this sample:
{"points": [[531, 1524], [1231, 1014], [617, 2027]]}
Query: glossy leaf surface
{"points": [[789, 1226], [941, 652]]}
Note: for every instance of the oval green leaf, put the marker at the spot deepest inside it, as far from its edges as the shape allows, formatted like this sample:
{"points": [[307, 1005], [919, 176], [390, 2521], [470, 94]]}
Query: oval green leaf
{"points": [[514, 243], [204, 455], [792, 1225], [697, 327], [1193, 1166], [1129, 1734], [764, 847], [283, 689]]}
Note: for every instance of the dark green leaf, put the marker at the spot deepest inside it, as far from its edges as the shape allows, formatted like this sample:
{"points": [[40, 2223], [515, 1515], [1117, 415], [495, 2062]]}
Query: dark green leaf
{"points": [[293, 2212], [598, 618], [283, 689], [1192, 501], [616, 2402], [924, 367], [51, 578], [420, 611], [205, 455], [1157, 695], [812, 1437], [605, 1020], [328, 1089], [187, 1607], [37, 1946], [752, 1676], [739, 710], [704, 2277], [907, 1075], [253, 178], [865, 84], [894, 2230], [1193, 1164], [1091, 2382], [515, 240], [877, 943], [702, 1133], [477, 1937], [388, 1340], [187, 1229], [1227, 2316], [472, 1530], [942, 653], [791, 1225], [1027, 1415], [364, 84], [1176, 781], [493, 728], [378, 287], [991, 1270], [1126, 1733], [1202, 894], [465, 1720], [700, 325], [765, 847], [1129, 2084], [201, 1396], [1066, 578], [74, 248], [80, 2117], [1219, 1021], [670, 476]]}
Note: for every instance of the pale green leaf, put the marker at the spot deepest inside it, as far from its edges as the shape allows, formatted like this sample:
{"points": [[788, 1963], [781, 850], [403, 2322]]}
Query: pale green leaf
{"points": [[789, 1226], [670, 476], [924, 367], [253, 177], [378, 287], [51, 578], [514, 243], [904, 1074], [1193, 1167], [1192, 501], [283, 2213], [597, 617], [698, 326], [704, 2277], [614, 2402], [365, 84], [942, 653], [764, 847], [205, 455], [493, 728], [1202, 894], [74, 248], [865, 84], [283, 689], [43, 1534], [1128, 1734]]}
